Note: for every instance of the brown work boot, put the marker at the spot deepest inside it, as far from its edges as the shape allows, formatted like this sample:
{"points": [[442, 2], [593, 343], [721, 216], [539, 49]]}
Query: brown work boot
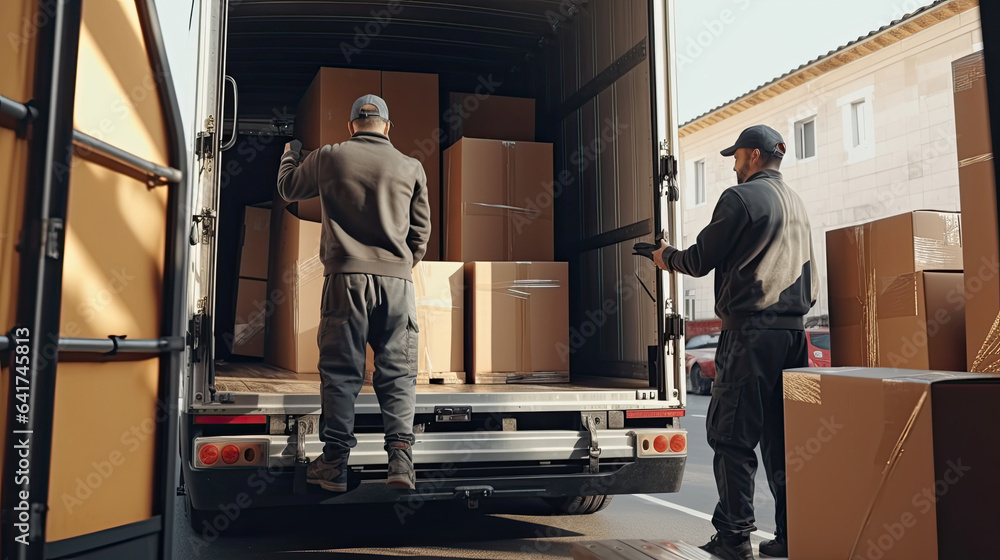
{"points": [[401, 475], [329, 475]]}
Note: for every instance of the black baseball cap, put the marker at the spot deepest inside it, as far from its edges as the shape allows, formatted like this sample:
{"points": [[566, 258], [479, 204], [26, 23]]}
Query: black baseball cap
{"points": [[381, 110], [761, 137]]}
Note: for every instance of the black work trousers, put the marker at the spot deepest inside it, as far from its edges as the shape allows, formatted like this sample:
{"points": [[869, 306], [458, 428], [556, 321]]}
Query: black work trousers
{"points": [[747, 409]]}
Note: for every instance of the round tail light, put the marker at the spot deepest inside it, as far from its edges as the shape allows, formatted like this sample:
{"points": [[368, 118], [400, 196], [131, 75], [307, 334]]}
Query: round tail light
{"points": [[230, 454], [208, 454]]}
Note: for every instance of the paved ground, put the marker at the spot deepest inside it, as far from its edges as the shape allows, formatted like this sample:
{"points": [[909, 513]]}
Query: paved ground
{"points": [[500, 530]]}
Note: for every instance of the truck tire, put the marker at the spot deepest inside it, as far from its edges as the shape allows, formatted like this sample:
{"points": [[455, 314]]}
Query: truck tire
{"points": [[580, 505]]}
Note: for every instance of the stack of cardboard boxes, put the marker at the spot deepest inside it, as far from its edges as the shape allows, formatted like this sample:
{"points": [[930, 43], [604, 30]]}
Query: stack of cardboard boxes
{"points": [[891, 463], [498, 215], [251, 291]]}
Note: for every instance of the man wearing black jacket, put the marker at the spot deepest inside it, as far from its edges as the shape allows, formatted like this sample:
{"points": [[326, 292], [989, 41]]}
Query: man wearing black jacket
{"points": [[759, 243]]}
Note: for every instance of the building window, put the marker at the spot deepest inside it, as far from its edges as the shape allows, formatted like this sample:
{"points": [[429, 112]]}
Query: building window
{"points": [[859, 126], [689, 305], [805, 138], [858, 123], [699, 183]]}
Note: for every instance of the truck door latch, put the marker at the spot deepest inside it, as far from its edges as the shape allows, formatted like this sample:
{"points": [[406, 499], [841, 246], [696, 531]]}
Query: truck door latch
{"points": [[595, 450]]}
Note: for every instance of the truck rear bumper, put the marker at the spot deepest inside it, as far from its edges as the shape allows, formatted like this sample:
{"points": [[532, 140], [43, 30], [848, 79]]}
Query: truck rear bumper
{"points": [[241, 489]]}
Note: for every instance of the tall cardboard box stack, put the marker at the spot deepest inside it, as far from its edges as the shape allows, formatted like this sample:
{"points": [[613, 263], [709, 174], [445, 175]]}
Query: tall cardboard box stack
{"points": [[890, 464], [251, 291], [979, 214], [896, 293], [498, 214]]}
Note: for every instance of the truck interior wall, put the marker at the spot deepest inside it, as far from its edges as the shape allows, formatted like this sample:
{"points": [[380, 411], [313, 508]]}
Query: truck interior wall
{"points": [[610, 183]]}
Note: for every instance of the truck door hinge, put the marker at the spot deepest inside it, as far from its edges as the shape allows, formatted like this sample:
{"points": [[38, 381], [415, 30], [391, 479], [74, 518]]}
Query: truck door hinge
{"points": [[673, 327], [202, 227], [197, 331], [52, 237], [204, 144], [668, 177]]}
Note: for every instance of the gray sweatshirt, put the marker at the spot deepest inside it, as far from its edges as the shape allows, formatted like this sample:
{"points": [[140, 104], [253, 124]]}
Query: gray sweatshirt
{"points": [[376, 218], [760, 245]]}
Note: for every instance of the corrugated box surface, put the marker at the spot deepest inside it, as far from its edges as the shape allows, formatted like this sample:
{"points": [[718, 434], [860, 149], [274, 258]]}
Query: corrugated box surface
{"points": [[874, 287], [519, 317], [499, 201], [979, 216], [890, 464], [481, 115], [256, 238], [440, 294], [295, 292], [251, 308]]}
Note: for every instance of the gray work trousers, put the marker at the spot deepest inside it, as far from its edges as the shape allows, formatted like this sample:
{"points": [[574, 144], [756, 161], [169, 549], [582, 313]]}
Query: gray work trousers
{"points": [[379, 310]]}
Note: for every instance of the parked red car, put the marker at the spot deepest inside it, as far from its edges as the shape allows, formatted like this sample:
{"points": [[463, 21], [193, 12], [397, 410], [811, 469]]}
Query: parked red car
{"points": [[700, 359], [819, 347]]}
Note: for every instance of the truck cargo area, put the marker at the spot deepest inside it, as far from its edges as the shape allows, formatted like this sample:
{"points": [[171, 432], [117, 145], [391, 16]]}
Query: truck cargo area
{"points": [[588, 67]]}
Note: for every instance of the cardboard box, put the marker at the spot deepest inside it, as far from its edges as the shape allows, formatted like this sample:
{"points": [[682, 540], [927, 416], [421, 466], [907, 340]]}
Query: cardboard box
{"points": [[251, 306], [977, 185], [890, 464], [295, 294], [499, 201], [519, 319], [255, 243], [413, 102], [480, 115], [440, 295], [869, 265]]}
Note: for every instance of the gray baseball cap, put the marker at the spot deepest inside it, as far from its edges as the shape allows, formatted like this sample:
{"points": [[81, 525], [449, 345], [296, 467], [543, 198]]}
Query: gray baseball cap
{"points": [[761, 137], [381, 110]]}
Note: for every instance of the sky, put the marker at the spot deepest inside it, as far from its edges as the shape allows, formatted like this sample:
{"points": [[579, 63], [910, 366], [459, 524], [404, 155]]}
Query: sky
{"points": [[729, 47], [726, 47]]}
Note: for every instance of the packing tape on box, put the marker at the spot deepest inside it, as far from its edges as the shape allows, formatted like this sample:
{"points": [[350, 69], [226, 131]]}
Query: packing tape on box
{"points": [[868, 296], [938, 254], [243, 333], [802, 387], [889, 429], [898, 297], [309, 270], [974, 160], [521, 289], [988, 358]]}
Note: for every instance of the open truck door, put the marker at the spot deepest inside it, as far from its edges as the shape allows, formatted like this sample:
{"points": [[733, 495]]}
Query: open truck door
{"points": [[93, 248]]}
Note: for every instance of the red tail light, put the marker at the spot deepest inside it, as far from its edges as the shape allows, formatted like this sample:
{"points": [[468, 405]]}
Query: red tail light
{"points": [[230, 454], [208, 454], [678, 443], [661, 443]]}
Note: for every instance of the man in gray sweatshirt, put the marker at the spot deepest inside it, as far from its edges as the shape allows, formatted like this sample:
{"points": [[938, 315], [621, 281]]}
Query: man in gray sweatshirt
{"points": [[376, 223], [759, 243]]}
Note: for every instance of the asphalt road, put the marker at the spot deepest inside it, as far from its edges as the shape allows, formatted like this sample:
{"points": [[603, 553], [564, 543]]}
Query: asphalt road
{"points": [[498, 530]]}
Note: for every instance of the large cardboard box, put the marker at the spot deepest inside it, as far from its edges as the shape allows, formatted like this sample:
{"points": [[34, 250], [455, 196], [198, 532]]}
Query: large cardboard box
{"points": [[481, 115], [498, 201], [440, 295], [890, 464], [295, 295], [977, 185], [413, 102], [251, 310], [519, 319], [873, 288], [255, 242]]}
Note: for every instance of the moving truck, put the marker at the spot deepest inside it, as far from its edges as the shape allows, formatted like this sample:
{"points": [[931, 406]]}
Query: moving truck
{"points": [[115, 278], [603, 92]]}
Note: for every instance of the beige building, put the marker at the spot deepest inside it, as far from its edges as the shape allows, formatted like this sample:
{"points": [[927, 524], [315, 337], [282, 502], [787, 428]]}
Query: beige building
{"points": [[870, 130]]}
